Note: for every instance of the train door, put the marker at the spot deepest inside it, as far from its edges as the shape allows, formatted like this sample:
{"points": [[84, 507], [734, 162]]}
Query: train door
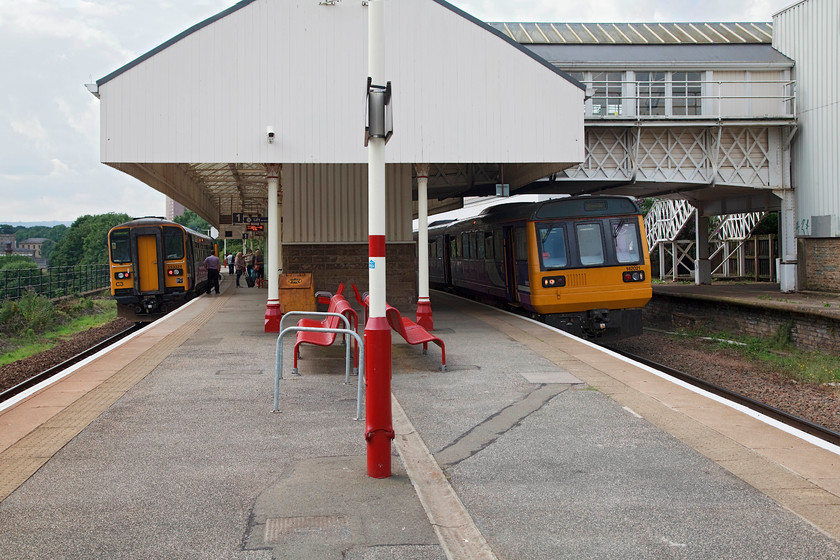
{"points": [[149, 260], [447, 261], [510, 265]]}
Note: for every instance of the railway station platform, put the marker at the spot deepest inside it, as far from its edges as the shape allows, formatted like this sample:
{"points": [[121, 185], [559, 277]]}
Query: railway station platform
{"points": [[532, 445], [811, 320]]}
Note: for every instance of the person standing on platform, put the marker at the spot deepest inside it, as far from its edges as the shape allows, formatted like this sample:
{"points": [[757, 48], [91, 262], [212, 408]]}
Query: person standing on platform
{"points": [[229, 263], [239, 266], [214, 265], [258, 268], [249, 266]]}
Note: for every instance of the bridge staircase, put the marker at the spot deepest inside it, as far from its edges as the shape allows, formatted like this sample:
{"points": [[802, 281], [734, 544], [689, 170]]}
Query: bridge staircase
{"points": [[730, 239]]}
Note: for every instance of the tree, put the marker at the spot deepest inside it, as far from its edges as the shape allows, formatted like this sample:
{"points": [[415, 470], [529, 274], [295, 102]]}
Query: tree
{"points": [[193, 221], [85, 242]]}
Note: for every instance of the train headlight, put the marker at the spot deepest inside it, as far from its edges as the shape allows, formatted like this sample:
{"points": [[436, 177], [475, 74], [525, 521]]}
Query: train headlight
{"points": [[122, 275], [554, 281], [633, 276]]}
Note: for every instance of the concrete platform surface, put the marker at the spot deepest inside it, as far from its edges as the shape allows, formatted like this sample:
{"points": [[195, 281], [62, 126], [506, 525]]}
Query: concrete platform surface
{"points": [[531, 445]]}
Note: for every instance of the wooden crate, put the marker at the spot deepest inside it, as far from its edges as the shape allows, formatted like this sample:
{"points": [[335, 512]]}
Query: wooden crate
{"points": [[297, 292]]}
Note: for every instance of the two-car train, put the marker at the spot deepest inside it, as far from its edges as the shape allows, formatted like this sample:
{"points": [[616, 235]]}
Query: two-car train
{"points": [[156, 265], [580, 264]]}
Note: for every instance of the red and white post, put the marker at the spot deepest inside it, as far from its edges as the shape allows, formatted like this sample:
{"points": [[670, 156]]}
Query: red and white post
{"points": [[379, 429], [424, 304], [273, 313]]}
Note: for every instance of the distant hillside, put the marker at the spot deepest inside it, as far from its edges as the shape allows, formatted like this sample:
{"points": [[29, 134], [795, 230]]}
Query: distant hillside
{"points": [[33, 224]]}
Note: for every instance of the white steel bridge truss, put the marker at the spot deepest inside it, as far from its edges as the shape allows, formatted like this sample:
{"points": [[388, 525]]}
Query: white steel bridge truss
{"points": [[676, 161]]}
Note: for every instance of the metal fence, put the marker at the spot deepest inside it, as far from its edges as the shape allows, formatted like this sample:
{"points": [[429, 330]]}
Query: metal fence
{"points": [[54, 282]]}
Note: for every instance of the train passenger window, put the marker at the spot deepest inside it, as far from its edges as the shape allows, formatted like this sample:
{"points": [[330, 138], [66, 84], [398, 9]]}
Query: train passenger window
{"points": [[488, 245], [433, 248], [458, 246], [552, 246], [520, 246], [479, 239], [173, 243], [120, 246], [498, 244], [590, 244], [626, 235]]}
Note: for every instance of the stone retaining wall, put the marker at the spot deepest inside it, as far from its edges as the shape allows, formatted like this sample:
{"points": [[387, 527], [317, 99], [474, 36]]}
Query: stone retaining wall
{"points": [[807, 331]]}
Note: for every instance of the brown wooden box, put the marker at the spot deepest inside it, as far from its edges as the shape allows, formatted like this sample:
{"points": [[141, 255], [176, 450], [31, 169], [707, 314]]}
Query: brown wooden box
{"points": [[297, 292]]}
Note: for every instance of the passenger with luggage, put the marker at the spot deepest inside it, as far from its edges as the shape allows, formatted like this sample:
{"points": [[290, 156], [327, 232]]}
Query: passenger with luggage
{"points": [[239, 266]]}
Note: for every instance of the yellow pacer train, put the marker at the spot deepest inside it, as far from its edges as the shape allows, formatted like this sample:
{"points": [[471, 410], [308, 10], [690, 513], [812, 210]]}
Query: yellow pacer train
{"points": [[580, 264], [156, 265]]}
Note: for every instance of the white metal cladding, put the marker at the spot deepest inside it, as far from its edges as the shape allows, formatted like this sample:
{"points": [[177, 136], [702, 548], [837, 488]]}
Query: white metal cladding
{"points": [[329, 203], [808, 33], [461, 93]]}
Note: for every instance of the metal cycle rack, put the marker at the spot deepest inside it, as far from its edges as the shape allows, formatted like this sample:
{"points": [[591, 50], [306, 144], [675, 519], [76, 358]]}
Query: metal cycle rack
{"points": [[347, 325], [278, 367]]}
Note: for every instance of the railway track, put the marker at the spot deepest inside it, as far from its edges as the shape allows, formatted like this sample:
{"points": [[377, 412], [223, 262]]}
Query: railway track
{"points": [[50, 372], [777, 414]]}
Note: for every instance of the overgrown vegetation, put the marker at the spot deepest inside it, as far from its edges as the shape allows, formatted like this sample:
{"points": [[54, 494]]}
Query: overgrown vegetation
{"points": [[86, 240], [34, 323], [780, 354]]}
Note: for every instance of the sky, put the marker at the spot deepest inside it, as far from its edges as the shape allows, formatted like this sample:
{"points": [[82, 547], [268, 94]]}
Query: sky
{"points": [[49, 122]]}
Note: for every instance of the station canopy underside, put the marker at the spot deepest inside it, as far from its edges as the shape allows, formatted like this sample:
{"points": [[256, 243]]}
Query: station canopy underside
{"points": [[225, 188]]}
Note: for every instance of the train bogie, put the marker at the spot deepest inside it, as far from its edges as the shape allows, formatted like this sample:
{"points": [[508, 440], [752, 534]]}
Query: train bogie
{"points": [[156, 265]]}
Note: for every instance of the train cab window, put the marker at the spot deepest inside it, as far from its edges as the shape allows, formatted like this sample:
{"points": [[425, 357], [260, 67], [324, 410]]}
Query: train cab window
{"points": [[590, 244], [626, 235], [120, 246], [553, 252], [173, 243]]}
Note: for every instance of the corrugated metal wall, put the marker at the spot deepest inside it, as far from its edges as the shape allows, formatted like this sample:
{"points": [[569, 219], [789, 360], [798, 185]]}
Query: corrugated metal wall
{"points": [[329, 203], [809, 32], [301, 68]]}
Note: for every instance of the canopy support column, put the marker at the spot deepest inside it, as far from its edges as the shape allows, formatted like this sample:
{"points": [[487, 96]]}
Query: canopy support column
{"points": [[424, 304], [273, 314]]}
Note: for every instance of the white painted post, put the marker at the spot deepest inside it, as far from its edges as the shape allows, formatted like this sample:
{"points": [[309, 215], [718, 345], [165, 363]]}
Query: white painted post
{"points": [[424, 304], [273, 313]]}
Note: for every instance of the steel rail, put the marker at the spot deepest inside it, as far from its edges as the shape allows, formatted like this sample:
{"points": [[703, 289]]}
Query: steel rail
{"points": [[770, 411]]}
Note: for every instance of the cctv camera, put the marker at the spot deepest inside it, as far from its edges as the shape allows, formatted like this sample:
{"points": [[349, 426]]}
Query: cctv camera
{"points": [[269, 131]]}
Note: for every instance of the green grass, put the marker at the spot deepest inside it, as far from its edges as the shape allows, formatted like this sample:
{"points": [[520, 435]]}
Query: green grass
{"points": [[28, 344], [780, 355]]}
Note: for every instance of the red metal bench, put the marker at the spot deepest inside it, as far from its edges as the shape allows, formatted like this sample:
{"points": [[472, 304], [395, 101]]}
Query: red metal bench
{"points": [[338, 304], [411, 332], [414, 333]]}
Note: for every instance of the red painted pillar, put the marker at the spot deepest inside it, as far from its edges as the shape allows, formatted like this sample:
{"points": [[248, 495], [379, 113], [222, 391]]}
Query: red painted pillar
{"points": [[379, 429]]}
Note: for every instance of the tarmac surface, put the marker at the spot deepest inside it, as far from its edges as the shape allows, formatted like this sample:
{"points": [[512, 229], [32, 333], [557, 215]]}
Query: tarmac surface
{"points": [[532, 445]]}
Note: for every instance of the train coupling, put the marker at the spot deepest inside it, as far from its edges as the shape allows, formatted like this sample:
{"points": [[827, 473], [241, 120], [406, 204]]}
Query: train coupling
{"points": [[597, 320], [148, 305]]}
